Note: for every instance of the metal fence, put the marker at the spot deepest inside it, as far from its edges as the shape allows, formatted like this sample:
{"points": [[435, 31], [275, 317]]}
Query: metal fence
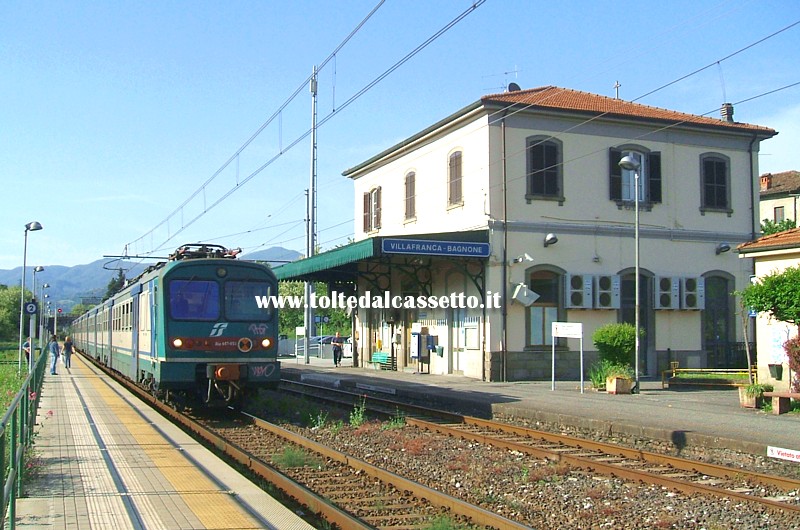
{"points": [[16, 436]]}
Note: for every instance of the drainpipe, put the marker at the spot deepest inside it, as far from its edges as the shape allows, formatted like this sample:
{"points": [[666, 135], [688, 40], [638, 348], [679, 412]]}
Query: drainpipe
{"points": [[753, 228], [505, 249]]}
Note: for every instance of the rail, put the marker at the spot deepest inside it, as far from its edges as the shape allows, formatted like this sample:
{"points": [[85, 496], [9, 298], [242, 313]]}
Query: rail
{"points": [[733, 377], [16, 435]]}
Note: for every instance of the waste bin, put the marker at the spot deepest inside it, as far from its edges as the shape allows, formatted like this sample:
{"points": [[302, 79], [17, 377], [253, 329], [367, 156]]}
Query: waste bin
{"points": [[440, 351]]}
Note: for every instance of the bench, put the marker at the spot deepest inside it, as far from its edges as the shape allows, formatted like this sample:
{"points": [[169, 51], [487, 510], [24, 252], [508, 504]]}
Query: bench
{"points": [[384, 360], [716, 377], [781, 401]]}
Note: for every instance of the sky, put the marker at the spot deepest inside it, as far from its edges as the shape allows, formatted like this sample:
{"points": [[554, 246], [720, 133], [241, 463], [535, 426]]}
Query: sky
{"points": [[136, 127]]}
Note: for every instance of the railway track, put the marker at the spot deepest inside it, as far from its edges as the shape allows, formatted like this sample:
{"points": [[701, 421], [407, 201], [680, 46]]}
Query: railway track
{"points": [[678, 474], [342, 490]]}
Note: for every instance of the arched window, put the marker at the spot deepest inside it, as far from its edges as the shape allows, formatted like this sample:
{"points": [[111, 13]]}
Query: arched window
{"points": [[544, 168], [715, 189], [454, 176], [622, 181], [411, 207], [548, 308]]}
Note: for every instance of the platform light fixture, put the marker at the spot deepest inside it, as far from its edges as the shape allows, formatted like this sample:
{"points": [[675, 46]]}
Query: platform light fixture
{"points": [[550, 239], [30, 227], [722, 247], [629, 163]]}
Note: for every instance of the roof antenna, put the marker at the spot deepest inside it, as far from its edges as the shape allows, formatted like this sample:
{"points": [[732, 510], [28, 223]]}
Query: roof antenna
{"points": [[616, 89]]}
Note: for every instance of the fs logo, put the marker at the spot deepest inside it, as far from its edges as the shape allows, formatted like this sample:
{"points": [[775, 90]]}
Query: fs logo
{"points": [[218, 329]]}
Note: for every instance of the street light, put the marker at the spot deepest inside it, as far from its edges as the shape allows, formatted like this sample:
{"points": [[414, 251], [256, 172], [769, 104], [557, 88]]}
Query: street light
{"points": [[30, 227], [629, 163], [32, 327], [42, 297]]}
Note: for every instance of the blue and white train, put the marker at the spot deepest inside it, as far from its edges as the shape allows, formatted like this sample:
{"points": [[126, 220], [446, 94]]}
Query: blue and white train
{"points": [[189, 329]]}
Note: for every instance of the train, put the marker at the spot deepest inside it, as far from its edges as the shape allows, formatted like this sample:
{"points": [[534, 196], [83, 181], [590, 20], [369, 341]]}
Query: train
{"points": [[189, 329]]}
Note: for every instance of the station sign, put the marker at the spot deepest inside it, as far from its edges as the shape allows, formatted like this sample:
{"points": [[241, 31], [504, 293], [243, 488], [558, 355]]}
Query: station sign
{"points": [[427, 247]]}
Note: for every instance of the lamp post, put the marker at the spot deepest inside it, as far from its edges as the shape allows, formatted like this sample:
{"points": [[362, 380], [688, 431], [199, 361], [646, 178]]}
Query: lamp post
{"points": [[43, 298], [30, 227], [32, 327], [629, 163]]}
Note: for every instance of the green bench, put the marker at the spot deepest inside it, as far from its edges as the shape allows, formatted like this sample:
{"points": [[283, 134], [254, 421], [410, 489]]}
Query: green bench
{"points": [[385, 360]]}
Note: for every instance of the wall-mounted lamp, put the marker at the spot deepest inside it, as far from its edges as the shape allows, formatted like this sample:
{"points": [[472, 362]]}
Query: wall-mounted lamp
{"points": [[722, 247], [520, 259], [550, 239]]}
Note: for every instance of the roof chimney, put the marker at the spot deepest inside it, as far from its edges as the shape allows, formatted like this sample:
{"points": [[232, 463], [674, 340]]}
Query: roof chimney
{"points": [[766, 181], [727, 112]]}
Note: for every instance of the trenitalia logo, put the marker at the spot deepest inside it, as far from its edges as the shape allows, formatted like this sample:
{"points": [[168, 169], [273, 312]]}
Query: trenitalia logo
{"points": [[381, 301]]}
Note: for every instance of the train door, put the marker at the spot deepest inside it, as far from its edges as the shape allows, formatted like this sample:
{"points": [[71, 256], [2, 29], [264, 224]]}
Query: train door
{"points": [[134, 329]]}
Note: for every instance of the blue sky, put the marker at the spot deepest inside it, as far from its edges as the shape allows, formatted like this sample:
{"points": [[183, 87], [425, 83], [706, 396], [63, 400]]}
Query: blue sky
{"points": [[113, 114]]}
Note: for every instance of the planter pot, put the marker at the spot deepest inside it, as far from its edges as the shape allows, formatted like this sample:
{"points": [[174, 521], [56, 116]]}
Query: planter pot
{"points": [[776, 371], [750, 402], [618, 385]]}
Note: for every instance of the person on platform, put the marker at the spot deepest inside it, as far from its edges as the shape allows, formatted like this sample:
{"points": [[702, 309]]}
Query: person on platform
{"points": [[338, 346], [26, 347], [67, 351], [55, 351]]}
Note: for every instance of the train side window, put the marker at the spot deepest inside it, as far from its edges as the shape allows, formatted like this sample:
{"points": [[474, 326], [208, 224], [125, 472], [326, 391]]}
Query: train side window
{"points": [[194, 300]]}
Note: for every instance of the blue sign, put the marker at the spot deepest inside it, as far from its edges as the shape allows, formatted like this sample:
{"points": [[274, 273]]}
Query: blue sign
{"points": [[425, 247]]}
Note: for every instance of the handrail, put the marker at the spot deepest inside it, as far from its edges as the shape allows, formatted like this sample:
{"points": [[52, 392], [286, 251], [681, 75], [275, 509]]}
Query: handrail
{"points": [[16, 434]]}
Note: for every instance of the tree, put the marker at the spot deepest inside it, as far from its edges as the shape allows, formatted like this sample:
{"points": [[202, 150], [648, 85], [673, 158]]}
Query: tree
{"points": [[9, 312], [79, 309], [115, 285], [777, 294], [771, 227]]}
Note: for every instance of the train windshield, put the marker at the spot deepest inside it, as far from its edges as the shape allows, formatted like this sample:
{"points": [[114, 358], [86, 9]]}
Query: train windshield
{"points": [[240, 300], [194, 300]]}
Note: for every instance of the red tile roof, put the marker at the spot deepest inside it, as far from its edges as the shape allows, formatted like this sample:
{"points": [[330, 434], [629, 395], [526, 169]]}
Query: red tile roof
{"points": [[782, 240], [551, 97], [783, 182]]}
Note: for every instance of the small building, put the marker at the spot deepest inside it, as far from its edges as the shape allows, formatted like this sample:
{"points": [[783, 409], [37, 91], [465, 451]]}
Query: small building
{"points": [[519, 199], [773, 253], [779, 193]]}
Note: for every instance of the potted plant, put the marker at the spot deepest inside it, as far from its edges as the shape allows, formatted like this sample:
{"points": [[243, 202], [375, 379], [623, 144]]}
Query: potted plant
{"points": [[619, 379], [752, 395]]}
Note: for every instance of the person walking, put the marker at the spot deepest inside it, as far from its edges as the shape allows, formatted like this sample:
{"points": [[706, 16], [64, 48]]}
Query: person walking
{"points": [[337, 344], [68, 348], [55, 351]]}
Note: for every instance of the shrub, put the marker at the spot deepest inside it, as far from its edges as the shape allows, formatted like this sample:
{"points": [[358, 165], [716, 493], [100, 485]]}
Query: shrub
{"points": [[616, 343]]}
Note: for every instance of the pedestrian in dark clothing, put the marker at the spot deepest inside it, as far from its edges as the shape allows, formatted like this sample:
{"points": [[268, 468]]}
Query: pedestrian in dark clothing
{"points": [[55, 351], [67, 352], [337, 344]]}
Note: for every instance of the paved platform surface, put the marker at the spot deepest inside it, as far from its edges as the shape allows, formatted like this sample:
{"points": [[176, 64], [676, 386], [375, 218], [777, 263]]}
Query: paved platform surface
{"points": [[108, 461], [711, 418]]}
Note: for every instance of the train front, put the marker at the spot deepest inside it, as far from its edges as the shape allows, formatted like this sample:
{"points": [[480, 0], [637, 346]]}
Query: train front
{"points": [[221, 347]]}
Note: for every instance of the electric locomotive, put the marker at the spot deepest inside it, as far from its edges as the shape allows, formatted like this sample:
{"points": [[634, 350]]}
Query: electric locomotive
{"points": [[190, 329]]}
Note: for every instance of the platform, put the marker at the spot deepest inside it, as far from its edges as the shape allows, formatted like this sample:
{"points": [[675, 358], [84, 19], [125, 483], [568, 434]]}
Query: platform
{"points": [[685, 417], [106, 460]]}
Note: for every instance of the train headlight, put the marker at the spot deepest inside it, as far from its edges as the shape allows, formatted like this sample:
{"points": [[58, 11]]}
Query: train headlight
{"points": [[177, 342], [266, 343]]}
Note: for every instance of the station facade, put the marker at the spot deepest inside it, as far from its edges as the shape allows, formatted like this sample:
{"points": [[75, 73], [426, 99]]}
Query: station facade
{"points": [[522, 200]]}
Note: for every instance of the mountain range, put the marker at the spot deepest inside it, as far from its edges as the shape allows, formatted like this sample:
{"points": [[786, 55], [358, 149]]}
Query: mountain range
{"points": [[72, 285]]}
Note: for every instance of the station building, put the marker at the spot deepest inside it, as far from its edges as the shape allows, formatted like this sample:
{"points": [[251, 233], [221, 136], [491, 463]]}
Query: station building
{"points": [[519, 197]]}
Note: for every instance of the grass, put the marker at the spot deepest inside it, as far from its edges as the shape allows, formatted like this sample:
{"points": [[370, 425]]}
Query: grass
{"points": [[292, 458]]}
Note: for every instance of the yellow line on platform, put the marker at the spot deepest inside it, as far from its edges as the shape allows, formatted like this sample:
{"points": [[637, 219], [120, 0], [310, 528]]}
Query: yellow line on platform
{"points": [[214, 507]]}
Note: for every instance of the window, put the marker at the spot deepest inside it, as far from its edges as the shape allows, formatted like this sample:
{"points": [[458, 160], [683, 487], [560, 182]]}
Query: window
{"points": [[454, 172], [194, 300], [546, 309], [715, 188], [779, 214], [372, 209], [544, 168], [623, 182], [240, 300], [411, 210]]}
